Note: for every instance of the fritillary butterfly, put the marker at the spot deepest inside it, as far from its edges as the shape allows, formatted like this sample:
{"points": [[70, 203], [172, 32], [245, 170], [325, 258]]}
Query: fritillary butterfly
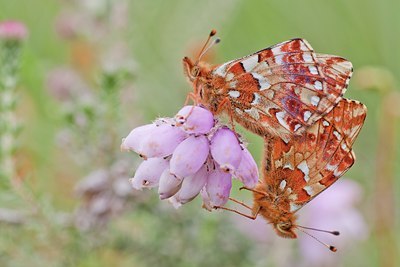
{"points": [[297, 171], [279, 91]]}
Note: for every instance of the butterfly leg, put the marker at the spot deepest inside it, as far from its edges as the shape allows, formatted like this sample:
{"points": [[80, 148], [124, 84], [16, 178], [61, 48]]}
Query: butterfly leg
{"points": [[191, 96], [253, 190], [240, 203], [225, 103], [253, 217]]}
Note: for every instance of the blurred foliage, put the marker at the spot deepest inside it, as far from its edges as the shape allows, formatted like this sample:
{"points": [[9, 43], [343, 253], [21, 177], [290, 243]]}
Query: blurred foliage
{"points": [[158, 35]]}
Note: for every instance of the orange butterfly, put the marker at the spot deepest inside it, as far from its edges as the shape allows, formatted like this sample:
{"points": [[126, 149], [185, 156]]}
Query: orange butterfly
{"points": [[279, 91], [297, 171]]}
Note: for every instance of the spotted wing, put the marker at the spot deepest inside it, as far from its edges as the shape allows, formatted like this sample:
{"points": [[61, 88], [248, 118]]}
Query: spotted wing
{"points": [[285, 88], [305, 166]]}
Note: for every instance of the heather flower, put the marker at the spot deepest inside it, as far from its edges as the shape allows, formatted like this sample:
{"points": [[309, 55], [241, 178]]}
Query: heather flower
{"points": [[247, 171], [226, 149], [189, 156], [197, 154], [11, 35], [148, 173], [154, 140], [12, 30]]}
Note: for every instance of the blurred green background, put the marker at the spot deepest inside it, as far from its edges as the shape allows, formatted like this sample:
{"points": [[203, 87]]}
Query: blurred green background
{"points": [[126, 57]]}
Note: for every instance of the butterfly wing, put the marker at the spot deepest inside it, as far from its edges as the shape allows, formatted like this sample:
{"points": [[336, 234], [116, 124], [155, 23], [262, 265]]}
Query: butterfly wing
{"points": [[302, 168], [285, 88]]}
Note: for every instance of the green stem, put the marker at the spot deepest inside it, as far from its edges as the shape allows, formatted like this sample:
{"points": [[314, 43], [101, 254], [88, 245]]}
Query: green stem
{"points": [[9, 62]]}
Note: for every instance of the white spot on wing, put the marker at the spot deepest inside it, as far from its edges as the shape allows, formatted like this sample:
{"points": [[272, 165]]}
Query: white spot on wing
{"points": [[276, 50], [288, 166], [309, 190], [315, 100], [325, 123], [337, 135], [282, 185], [337, 173], [303, 167], [305, 46], [297, 126], [279, 59], [234, 93], [307, 115], [318, 85], [307, 58], [263, 82], [344, 146], [281, 118], [256, 99], [313, 70], [330, 167], [250, 62]]}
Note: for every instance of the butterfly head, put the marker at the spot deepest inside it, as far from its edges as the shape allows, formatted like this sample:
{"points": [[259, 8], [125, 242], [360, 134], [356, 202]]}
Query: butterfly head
{"points": [[192, 71], [196, 69], [285, 229]]}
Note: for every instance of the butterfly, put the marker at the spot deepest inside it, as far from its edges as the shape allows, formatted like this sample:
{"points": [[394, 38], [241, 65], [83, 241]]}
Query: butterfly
{"points": [[297, 171], [280, 91]]}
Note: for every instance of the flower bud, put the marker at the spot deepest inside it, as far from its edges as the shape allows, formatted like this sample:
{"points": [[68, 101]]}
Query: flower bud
{"points": [[192, 185], [247, 172], [148, 173], [219, 184], [135, 139], [154, 140], [169, 184], [226, 150], [189, 156], [195, 119]]}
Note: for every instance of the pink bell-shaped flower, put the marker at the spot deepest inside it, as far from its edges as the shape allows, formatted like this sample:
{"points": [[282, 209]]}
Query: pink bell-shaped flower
{"points": [[134, 140], [148, 173], [154, 140], [169, 184], [192, 185], [218, 187], [247, 172], [226, 150], [189, 156], [194, 119]]}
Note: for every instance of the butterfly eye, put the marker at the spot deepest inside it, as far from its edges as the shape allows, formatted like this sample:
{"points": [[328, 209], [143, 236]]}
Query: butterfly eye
{"points": [[284, 226], [195, 71]]}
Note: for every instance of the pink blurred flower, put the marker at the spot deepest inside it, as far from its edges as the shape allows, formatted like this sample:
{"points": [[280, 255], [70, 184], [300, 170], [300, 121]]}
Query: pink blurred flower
{"points": [[334, 209], [200, 154], [13, 30], [64, 84]]}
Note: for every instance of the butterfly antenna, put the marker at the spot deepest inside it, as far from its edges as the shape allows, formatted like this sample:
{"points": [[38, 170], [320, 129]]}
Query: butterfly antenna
{"points": [[319, 230], [205, 48], [331, 248]]}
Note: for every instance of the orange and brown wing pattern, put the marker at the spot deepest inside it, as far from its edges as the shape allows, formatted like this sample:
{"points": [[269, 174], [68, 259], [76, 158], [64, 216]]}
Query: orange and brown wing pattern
{"points": [[284, 88], [302, 168]]}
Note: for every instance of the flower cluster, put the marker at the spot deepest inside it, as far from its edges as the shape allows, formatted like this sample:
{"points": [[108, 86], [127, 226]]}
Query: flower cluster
{"points": [[190, 153]]}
